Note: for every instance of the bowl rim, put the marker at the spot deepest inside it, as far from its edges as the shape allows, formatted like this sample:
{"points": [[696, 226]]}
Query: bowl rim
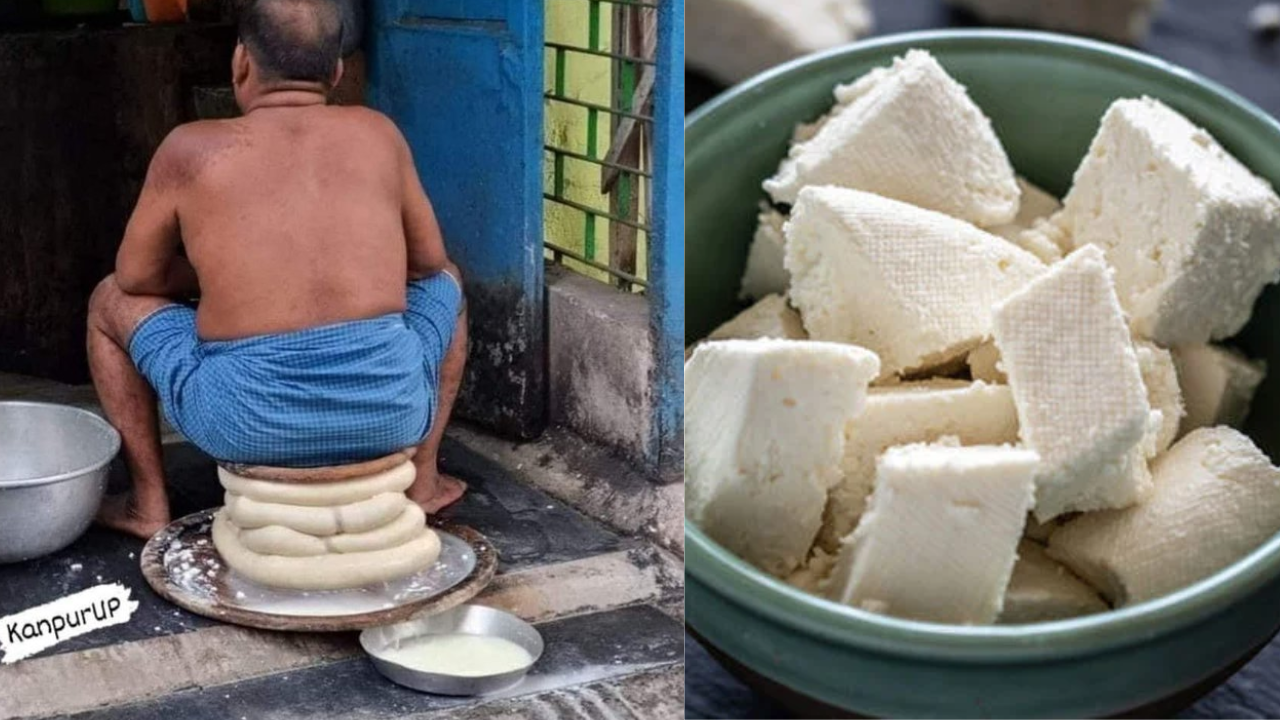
{"points": [[724, 574], [69, 474], [373, 645]]}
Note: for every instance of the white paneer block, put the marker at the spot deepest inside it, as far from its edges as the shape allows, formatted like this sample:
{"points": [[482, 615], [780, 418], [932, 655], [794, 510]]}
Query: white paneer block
{"points": [[1216, 498], [765, 274], [940, 535], [1125, 21], [1217, 385], [1036, 205], [1192, 234], [984, 363], [771, 317], [1041, 589], [731, 40], [911, 133], [912, 412], [914, 286], [1163, 393], [1077, 386], [764, 439]]}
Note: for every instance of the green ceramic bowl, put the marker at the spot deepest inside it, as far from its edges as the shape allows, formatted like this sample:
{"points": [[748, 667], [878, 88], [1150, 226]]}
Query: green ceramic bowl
{"points": [[1045, 94]]}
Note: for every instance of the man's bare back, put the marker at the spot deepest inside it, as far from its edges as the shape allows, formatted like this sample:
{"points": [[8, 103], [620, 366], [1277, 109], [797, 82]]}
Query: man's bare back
{"points": [[291, 216]]}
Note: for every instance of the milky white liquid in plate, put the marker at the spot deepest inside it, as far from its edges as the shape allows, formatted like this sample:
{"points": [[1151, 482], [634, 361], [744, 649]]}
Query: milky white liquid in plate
{"points": [[458, 654]]}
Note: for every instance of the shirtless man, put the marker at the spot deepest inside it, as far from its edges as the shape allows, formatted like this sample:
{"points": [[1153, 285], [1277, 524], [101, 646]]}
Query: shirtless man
{"points": [[330, 326]]}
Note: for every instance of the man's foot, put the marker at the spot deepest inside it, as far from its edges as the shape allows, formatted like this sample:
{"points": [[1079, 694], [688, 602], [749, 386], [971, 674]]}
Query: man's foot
{"points": [[438, 493], [120, 512]]}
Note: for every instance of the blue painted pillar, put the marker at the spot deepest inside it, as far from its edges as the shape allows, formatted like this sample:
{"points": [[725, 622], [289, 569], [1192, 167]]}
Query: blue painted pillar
{"points": [[463, 81], [666, 261]]}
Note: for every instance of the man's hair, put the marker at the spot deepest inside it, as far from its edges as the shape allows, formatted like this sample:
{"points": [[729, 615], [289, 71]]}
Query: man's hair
{"points": [[293, 39]]}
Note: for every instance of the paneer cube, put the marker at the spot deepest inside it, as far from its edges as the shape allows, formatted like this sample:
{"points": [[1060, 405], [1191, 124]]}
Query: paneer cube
{"points": [[1042, 589], [908, 132], [1077, 386], [771, 317], [764, 439], [912, 412], [914, 286], [765, 273], [940, 536], [1193, 235], [731, 40], [1216, 498], [1217, 385]]}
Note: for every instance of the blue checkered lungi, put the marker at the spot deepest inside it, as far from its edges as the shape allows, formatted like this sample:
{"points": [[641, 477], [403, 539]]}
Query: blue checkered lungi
{"points": [[326, 395]]}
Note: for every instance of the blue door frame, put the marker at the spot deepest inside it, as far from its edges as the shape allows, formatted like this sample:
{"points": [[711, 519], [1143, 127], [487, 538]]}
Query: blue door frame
{"points": [[463, 80], [666, 263]]}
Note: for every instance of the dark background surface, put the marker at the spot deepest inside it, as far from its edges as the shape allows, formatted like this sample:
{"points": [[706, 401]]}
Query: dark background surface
{"points": [[1211, 37]]}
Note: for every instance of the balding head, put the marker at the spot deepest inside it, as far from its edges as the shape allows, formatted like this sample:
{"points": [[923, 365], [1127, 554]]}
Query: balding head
{"points": [[293, 39]]}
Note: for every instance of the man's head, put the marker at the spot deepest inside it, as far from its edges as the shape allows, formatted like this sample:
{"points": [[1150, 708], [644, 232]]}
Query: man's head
{"points": [[288, 42]]}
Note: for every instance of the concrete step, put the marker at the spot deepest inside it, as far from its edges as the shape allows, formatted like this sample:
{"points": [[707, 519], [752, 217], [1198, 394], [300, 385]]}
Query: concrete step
{"points": [[582, 578], [594, 664]]}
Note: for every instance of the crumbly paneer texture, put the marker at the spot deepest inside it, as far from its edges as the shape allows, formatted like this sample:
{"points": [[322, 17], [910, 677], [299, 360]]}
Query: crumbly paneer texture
{"points": [[732, 40], [1217, 385], [908, 132], [1036, 205], [1216, 497], [1193, 235], [911, 412], [1163, 393], [1077, 386], [764, 438], [984, 363], [765, 274], [771, 317], [1041, 589], [939, 539], [912, 285]]}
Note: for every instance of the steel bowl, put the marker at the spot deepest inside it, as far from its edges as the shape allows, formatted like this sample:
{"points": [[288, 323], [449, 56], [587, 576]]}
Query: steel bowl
{"points": [[53, 472], [466, 619]]}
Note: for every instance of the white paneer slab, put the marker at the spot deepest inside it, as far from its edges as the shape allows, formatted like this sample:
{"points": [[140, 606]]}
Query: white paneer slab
{"points": [[1077, 386], [1036, 205], [1163, 393], [765, 274], [764, 439], [940, 536], [912, 412], [1216, 497], [771, 317], [1193, 235], [1217, 385], [914, 286], [1041, 589], [731, 40], [908, 132]]}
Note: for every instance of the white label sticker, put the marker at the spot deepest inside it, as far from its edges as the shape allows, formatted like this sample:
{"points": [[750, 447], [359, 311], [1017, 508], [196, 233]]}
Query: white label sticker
{"points": [[40, 628]]}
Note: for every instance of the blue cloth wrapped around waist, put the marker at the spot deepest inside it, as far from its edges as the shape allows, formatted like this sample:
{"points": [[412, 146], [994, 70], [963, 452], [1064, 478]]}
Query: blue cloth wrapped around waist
{"points": [[325, 395]]}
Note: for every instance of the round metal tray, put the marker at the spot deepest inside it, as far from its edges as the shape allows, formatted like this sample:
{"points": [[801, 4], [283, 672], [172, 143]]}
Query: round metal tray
{"points": [[182, 566]]}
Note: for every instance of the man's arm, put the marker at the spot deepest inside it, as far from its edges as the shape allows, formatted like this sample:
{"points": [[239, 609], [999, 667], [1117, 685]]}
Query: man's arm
{"points": [[422, 235], [148, 262]]}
